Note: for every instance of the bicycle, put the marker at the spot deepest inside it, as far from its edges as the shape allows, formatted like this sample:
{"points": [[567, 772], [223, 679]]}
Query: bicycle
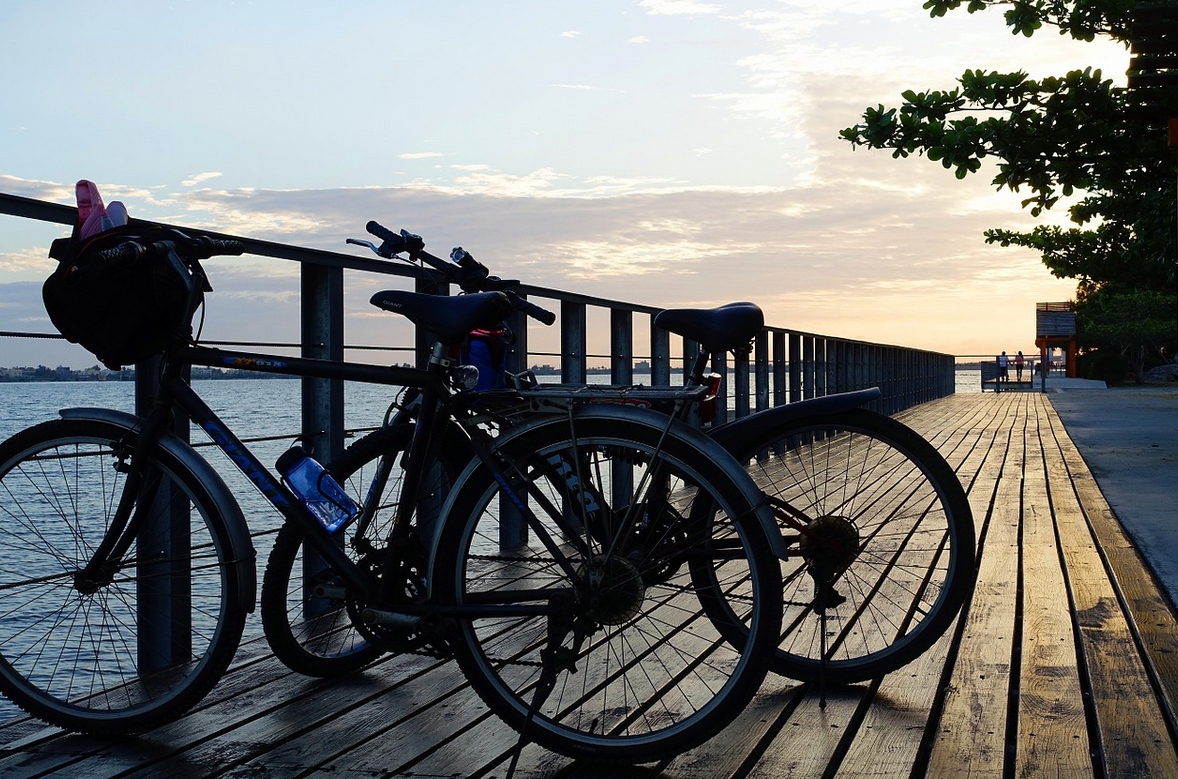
{"points": [[879, 533], [581, 629]]}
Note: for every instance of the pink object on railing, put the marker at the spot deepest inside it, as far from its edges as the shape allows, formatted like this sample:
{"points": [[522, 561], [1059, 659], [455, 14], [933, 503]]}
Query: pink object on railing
{"points": [[90, 209]]}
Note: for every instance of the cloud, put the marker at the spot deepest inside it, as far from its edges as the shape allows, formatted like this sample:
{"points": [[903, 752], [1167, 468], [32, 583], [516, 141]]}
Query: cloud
{"points": [[638, 39], [569, 34], [586, 87], [35, 260], [678, 7], [420, 155], [52, 191], [199, 178]]}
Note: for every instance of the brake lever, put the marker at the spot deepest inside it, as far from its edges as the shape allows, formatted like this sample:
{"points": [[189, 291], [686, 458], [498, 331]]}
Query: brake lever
{"points": [[369, 244], [376, 250]]}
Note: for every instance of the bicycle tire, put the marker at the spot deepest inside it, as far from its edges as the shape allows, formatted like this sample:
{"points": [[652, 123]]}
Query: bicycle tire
{"points": [[76, 659], [318, 635], [864, 476], [643, 675]]}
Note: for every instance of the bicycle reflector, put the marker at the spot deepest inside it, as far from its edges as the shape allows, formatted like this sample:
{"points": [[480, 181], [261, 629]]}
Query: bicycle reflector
{"points": [[707, 407]]}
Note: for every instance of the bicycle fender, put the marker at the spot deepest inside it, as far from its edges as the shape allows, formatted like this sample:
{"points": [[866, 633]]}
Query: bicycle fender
{"points": [[244, 571], [731, 435]]}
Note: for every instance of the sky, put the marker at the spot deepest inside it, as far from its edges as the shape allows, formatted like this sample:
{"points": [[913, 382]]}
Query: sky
{"points": [[663, 152]]}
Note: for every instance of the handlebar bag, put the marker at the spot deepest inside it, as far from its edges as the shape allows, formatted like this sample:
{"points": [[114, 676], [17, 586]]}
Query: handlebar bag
{"points": [[122, 312]]}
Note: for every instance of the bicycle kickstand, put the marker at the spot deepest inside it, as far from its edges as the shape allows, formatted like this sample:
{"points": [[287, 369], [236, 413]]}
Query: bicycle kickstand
{"points": [[553, 659]]}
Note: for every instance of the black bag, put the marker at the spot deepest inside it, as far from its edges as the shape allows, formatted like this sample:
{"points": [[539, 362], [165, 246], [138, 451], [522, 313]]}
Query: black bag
{"points": [[123, 312]]}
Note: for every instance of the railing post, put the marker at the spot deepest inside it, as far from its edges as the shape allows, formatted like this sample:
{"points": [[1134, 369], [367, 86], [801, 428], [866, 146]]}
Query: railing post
{"points": [[322, 329], [816, 368], [164, 570], [796, 361], [516, 358], [690, 353], [761, 361], [621, 338], [720, 366], [741, 391], [660, 356], [322, 304], [811, 368], [573, 342]]}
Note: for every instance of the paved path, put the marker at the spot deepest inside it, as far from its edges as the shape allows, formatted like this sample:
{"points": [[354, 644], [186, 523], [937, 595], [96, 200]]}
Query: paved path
{"points": [[1128, 437]]}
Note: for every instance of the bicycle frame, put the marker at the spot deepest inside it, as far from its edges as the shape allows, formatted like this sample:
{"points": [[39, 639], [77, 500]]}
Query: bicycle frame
{"points": [[176, 393]]}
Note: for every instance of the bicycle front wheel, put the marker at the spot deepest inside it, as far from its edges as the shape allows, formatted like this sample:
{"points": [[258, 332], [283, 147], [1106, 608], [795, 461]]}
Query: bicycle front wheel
{"points": [[582, 623], [140, 647], [882, 543]]}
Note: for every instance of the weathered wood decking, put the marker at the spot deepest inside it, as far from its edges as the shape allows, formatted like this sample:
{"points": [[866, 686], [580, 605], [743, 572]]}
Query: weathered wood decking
{"points": [[1065, 664]]}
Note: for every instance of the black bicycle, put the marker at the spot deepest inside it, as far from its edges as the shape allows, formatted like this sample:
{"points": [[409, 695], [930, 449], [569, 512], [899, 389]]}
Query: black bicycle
{"points": [[565, 572], [878, 534]]}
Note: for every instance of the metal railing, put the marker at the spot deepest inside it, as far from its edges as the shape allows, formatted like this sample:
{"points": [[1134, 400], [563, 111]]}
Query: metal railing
{"points": [[785, 366]]}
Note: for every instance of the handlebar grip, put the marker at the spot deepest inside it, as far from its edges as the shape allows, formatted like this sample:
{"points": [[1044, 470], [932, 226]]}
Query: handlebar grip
{"points": [[221, 246], [124, 253], [381, 232], [540, 314]]}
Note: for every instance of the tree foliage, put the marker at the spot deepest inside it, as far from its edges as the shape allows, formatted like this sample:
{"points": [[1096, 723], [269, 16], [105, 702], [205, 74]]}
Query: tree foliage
{"points": [[1081, 19], [1076, 134]]}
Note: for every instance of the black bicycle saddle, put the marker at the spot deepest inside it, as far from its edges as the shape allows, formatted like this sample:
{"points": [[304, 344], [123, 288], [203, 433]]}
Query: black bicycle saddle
{"points": [[450, 318], [717, 330]]}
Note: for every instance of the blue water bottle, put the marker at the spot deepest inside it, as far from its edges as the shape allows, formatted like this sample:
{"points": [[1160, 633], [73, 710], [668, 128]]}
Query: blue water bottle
{"points": [[321, 494]]}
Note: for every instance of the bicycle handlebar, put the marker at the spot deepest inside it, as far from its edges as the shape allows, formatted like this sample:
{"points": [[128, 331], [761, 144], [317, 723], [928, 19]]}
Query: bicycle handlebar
{"points": [[463, 269], [199, 248]]}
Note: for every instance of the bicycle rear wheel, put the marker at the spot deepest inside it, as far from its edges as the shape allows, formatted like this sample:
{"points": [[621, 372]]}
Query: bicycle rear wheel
{"points": [[615, 660], [141, 648], [882, 551]]}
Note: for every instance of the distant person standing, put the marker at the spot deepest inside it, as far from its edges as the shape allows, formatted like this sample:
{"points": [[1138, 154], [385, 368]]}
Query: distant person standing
{"points": [[1003, 367], [1018, 366]]}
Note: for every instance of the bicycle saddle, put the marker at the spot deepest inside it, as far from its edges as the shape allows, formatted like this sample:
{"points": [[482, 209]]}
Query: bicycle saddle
{"points": [[450, 318], [717, 330]]}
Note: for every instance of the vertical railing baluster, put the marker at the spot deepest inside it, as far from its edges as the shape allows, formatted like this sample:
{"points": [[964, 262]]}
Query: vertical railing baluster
{"points": [[621, 351], [322, 329], [660, 356], [573, 342]]}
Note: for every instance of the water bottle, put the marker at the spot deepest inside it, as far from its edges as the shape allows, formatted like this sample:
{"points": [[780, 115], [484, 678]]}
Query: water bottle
{"points": [[320, 493]]}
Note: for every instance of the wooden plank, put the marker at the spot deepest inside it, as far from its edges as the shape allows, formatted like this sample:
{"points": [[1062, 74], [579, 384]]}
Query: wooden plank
{"points": [[805, 746], [971, 737], [1052, 726], [890, 735]]}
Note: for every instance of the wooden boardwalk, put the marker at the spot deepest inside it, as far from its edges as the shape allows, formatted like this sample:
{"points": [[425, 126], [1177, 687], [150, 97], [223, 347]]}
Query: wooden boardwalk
{"points": [[1065, 664]]}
